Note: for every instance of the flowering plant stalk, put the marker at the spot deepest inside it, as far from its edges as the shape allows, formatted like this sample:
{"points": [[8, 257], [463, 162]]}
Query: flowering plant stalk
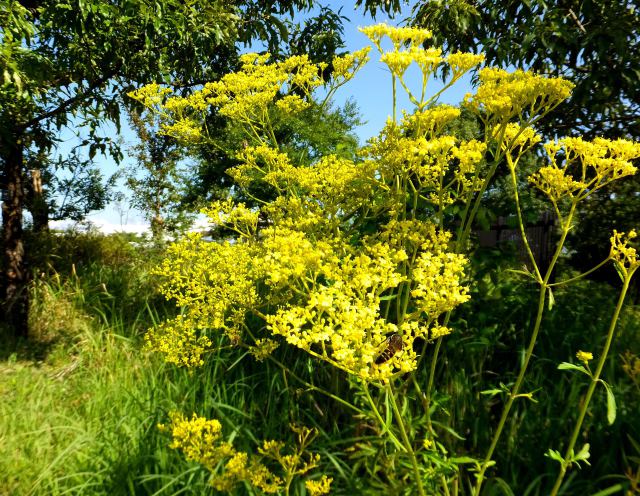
{"points": [[350, 260], [626, 262], [599, 163]]}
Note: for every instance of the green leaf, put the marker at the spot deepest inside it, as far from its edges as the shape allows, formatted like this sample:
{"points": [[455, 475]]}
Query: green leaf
{"points": [[573, 366], [459, 460], [554, 455], [552, 300], [611, 403], [582, 455], [491, 392]]}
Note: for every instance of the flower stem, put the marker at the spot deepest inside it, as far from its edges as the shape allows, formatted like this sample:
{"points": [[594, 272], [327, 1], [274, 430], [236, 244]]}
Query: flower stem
{"points": [[594, 382], [513, 394], [405, 439], [383, 424]]}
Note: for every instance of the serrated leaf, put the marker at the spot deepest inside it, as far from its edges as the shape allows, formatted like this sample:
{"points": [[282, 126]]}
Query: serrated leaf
{"points": [[583, 455], [554, 455]]}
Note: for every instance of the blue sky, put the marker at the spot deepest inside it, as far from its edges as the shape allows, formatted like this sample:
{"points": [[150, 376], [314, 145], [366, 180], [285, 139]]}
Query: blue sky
{"points": [[370, 89]]}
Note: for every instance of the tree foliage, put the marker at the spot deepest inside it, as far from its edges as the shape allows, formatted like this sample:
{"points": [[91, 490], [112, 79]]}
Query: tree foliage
{"points": [[593, 44], [66, 63]]}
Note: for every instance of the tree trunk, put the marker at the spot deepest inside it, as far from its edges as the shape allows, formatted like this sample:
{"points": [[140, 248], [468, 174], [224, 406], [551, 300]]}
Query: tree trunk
{"points": [[39, 207], [15, 296]]}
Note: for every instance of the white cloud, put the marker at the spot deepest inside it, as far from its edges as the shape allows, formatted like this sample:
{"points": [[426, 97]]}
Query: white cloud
{"points": [[105, 226], [101, 225]]}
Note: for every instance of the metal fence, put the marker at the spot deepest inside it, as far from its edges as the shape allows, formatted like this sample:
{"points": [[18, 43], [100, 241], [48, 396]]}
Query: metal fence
{"points": [[539, 234]]}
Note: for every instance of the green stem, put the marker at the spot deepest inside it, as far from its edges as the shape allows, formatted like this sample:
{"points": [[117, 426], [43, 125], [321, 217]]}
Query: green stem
{"points": [[580, 276], [393, 90], [383, 424], [406, 441], [514, 182], [529, 352], [513, 393], [595, 378], [463, 233]]}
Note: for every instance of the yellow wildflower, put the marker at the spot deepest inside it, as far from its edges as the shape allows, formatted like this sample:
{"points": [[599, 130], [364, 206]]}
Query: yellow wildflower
{"points": [[597, 163], [624, 257], [429, 121], [346, 66], [584, 356], [503, 95], [263, 348], [461, 62], [398, 35], [513, 137], [319, 487], [150, 95]]}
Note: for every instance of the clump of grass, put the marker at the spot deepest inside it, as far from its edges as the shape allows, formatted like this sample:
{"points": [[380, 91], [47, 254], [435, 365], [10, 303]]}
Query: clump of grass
{"points": [[82, 420]]}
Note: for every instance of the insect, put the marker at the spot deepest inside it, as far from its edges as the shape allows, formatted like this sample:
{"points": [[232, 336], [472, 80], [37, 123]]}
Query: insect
{"points": [[393, 344]]}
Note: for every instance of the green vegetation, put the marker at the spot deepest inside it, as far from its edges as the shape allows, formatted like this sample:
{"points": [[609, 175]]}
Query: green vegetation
{"points": [[81, 404], [342, 328]]}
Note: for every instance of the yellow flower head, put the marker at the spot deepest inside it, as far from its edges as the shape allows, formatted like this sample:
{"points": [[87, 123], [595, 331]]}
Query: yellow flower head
{"points": [[346, 66], [513, 137], [461, 62], [150, 95], [595, 164], [319, 487], [584, 356], [624, 257], [398, 35], [503, 95]]}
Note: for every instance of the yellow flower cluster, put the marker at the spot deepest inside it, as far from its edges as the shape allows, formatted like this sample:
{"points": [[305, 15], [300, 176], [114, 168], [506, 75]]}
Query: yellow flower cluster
{"points": [[330, 180], [437, 275], [339, 318], [428, 158], [307, 268], [597, 163], [624, 257], [556, 183], [429, 122], [398, 35], [150, 94], [515, 139], [263, 348], [181, 340], [216, 283], [246, 94], [346, 66], [503, 95], [201, 441], [461, 62], [427, 59], [297, 462], [410, 235], [290, 255], [319, 487], [233, 215], [340, 321]]}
